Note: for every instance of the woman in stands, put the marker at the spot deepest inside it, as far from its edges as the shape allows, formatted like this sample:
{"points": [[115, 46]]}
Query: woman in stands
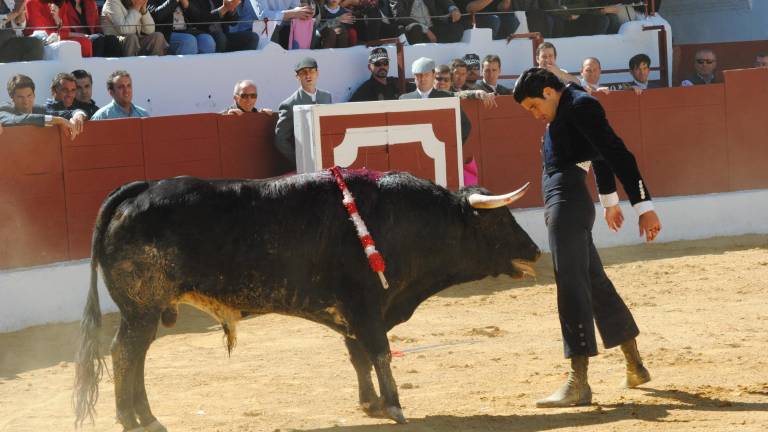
{"points": [[76, 20]]}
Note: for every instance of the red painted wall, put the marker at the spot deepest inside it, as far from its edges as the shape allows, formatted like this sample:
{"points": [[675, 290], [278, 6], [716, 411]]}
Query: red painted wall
{"points": [[687, 141]]}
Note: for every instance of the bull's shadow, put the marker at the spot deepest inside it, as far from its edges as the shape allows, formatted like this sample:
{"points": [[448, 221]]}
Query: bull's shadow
{"points": [[48, 345], [674, 400]]}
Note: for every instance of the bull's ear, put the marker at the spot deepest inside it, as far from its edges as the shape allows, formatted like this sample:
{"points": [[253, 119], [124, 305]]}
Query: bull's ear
{"points": [[480, 201]]}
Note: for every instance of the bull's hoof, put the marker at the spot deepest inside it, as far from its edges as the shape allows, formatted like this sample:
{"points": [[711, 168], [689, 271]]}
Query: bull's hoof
{"points": [[374, 409], [396, 414], [377, 409], [636, 377], [138, 429]]}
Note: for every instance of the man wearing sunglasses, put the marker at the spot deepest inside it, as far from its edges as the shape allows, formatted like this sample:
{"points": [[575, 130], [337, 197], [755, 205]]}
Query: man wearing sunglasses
{"points": [[704, 64], [245, 97], [380, 86]]}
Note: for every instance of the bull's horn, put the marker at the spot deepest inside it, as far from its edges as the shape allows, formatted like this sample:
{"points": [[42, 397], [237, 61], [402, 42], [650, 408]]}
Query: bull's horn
{"points": [[480, 201]]}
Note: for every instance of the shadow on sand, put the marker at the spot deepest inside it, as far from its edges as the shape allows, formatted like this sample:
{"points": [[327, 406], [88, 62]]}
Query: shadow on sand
{"points": [[669, 400], [48, 345]]}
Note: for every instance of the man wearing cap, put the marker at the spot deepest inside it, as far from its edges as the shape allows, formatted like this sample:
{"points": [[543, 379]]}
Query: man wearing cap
{"points": [[473, 69], [308, 94], [423, 70], [379, 86]]}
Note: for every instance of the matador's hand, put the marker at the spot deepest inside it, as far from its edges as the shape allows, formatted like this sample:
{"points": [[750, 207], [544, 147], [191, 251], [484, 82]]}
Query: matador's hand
{"points": [[614, 217], [650, 225]]}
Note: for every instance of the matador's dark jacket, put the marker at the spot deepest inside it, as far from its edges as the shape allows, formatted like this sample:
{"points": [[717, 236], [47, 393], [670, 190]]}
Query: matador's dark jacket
{"points": [[580, 132]]}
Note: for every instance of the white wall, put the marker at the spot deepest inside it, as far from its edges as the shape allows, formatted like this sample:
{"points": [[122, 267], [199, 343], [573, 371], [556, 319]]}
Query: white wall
{"points": [[204, 83], [57, 293]]}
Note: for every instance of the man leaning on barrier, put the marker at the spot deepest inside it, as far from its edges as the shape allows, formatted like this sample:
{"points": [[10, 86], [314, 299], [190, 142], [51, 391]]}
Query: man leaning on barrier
{"points": [[22, 110]]}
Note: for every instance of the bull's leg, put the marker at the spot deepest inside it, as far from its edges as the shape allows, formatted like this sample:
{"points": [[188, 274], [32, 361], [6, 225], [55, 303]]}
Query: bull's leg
{"points": [[373, 338], [130, 345], [369, 400], [140, 402]]}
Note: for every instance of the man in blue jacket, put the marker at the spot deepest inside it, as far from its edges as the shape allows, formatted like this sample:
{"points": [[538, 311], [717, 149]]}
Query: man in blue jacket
{"points": [[578, 135]]}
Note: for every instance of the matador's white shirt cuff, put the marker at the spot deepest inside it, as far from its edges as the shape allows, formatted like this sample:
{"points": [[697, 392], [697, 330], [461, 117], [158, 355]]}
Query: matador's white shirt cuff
{"points": [[612, 199]]}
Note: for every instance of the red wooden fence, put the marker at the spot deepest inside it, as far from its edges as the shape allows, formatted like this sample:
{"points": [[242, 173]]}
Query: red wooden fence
{"points": [[687, 141]]}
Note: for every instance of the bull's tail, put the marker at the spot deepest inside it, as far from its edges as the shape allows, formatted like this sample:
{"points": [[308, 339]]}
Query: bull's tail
{"points": [[88, 361]]}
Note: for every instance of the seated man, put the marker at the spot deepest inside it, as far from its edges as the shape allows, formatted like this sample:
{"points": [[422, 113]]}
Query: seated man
{"points": [[501, 25], [491, 72], [13, 46], [214, 17], [425, 20], [307, 94], [134, 27], [63, 92], [281, 11], [245, 97], [380, 86], [704, 64], [120, 87], [23, 111], [640, 68], [84, 95]]}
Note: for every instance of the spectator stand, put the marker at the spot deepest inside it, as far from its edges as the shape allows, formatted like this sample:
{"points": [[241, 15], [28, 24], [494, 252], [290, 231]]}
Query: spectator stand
{"points": [[200, 83]]}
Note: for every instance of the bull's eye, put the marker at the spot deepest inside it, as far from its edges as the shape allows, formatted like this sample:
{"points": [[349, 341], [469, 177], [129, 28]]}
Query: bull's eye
{"points": [[474, 212]]}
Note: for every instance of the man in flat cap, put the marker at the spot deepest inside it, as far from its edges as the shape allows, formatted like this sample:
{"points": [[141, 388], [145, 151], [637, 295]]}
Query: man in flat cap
{"points": [[380, 86], [423, 70], [307, 94]]}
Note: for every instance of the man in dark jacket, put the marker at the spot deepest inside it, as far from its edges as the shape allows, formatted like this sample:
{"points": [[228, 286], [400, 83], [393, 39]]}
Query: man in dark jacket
{"points": [[578, 135], [491, 72], [379, 86], [63, 95], [416, 17]]}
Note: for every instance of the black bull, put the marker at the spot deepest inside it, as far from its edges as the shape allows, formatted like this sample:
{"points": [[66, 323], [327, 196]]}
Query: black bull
{"points": [[235, 248]]}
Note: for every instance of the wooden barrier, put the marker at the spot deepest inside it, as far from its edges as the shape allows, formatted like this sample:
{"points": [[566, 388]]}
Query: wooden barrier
{"points": [[687, 141]]}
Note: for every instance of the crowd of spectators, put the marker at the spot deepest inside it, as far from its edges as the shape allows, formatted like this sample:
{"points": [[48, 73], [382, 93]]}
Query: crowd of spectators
{"points": [[120, 28]]}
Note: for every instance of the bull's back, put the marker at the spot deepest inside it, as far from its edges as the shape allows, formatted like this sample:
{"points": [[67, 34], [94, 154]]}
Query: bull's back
{"points": [[249, 244]]}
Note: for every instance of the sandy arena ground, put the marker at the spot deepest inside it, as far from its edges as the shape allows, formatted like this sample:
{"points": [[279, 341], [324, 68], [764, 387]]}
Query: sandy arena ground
{"points": [[475, 358]]}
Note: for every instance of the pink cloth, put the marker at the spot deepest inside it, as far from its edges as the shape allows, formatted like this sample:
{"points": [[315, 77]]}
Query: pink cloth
{"points": [[470, 173], [301, 33]]}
